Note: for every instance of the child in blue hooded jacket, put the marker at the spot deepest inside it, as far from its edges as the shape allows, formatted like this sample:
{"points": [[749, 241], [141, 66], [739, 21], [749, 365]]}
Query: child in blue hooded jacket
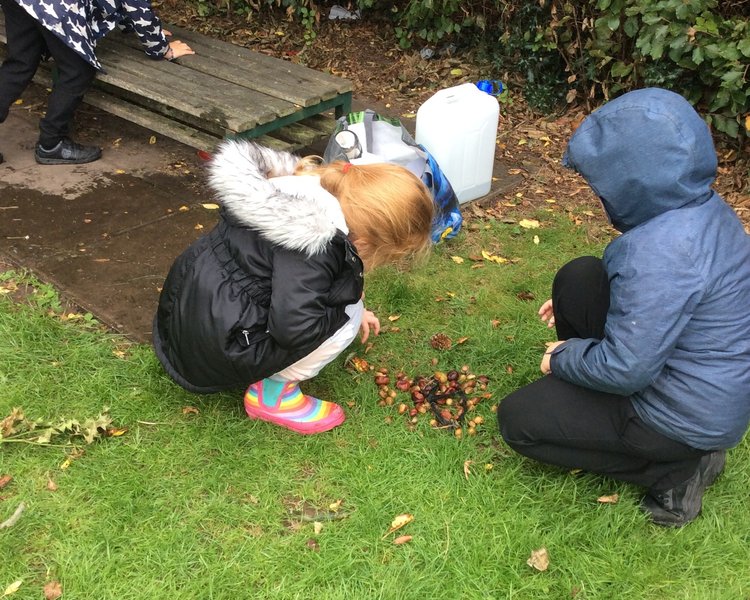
{"points": [[650, 381]]}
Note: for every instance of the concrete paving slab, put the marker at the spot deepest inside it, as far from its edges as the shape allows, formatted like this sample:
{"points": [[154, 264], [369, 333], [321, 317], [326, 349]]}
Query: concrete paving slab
{"points": [[104, 233]]}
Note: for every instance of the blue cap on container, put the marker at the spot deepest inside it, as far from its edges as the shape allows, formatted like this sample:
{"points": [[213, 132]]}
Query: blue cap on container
{"points": [[493, 87]]}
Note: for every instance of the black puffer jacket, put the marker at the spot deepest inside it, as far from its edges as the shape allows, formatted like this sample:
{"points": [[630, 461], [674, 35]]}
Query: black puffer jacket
{"points": [[266, 286]]}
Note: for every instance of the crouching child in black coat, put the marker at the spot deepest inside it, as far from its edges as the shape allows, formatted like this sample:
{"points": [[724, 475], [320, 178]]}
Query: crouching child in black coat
{"points": [[274, 292]]}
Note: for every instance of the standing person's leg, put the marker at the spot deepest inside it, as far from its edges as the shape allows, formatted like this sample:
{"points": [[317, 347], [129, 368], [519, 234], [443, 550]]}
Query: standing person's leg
{"points": [[278, 399], [24, 49], [74, 77]]}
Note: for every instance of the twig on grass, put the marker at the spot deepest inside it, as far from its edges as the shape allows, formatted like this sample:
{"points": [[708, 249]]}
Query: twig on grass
{"points": [[13, 519]]}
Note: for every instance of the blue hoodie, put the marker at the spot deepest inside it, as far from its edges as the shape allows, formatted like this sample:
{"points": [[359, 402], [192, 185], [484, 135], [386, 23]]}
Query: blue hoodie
{"points": [[677, 338]]}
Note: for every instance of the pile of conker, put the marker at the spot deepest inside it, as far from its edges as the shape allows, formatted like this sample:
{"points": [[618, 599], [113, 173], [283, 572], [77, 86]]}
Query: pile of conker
{"points": [[448, 397]]}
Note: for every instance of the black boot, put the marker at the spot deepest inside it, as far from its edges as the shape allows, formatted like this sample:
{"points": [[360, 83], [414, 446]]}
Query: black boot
{"points": [[67, 152], [680, 505]]}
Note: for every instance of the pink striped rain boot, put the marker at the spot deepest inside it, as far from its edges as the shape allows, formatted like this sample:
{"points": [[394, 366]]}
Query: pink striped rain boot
{"points": [[283, 403]]}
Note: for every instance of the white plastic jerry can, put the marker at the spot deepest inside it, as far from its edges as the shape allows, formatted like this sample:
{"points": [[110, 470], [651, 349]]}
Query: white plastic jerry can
{"points": [[458, 126]]}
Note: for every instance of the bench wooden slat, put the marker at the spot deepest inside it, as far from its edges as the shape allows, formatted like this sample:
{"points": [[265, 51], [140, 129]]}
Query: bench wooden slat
{"points": [[161, 98], [195, 138], [200, 67], [145, 118], [279, 78], [246, 69], [176, 131], [164, 83]]}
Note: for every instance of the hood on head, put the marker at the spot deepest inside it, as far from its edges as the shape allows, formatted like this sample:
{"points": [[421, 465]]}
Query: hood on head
{"points": [[644, 153], [256, 187]]}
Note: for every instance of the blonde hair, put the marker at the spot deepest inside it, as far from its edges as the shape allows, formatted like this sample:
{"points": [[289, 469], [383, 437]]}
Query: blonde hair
{"points": [[388, 210]]}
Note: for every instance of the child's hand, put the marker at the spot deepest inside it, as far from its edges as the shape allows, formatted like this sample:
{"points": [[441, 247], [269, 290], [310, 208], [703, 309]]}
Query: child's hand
{"points": [[369, 320], [545, 366], [546, 313], [177, 49]]}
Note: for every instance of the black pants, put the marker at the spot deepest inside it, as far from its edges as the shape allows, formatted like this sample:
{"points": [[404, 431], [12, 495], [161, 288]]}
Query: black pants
{"points": [[562, 424], [28, 41]]}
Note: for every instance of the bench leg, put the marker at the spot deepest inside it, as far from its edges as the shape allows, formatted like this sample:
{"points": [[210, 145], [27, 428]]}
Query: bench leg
{"points": [[345, 107]]}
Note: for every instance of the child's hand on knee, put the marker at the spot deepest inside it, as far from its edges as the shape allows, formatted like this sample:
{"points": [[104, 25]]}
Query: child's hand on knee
{"points": [[369, 320], [545, 365]]}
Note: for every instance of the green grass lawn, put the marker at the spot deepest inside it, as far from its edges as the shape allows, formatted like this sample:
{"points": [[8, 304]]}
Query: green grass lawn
{"points": [[195, 501]]}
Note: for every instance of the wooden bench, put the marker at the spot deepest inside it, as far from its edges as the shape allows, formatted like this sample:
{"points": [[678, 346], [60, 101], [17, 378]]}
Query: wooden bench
{"points": [[224, 90]]}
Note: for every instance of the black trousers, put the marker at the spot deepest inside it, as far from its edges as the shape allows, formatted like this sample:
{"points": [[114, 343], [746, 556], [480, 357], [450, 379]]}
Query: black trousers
{"points": [[27, 43], [558, 423]]}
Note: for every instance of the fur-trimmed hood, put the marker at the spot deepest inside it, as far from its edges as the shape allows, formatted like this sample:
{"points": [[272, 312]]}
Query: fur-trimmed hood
{"points": [[255, 186]]}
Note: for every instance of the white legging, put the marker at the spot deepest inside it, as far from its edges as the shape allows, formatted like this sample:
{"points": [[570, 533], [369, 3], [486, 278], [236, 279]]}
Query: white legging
{"points": [[310, 365]]}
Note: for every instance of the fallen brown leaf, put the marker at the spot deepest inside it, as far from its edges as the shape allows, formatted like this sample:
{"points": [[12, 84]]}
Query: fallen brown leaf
{"points": [[539, 559], [611, 499], [529, 223], [52, 590], [360, 365], [494, 257], [399, 522], [5, 480], [467, 468], [13, 588], [402, 539]]}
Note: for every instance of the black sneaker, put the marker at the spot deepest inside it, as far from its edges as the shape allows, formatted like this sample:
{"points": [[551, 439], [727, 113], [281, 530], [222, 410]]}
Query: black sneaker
{"points": [[682, 504], [67, 152]]}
